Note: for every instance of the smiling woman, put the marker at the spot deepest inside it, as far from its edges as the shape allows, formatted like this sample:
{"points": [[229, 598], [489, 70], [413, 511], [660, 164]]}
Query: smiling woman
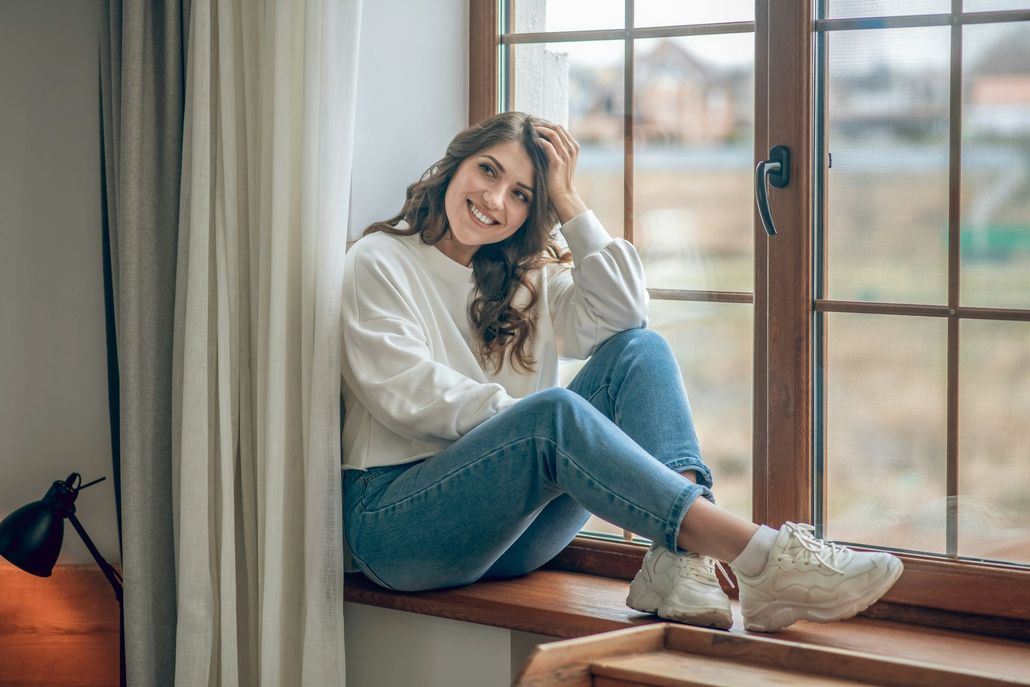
{"points": [[487, 201], [464, 457]]}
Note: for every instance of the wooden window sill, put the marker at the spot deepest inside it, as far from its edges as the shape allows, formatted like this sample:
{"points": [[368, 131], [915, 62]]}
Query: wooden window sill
{"points": [[566, 604]]}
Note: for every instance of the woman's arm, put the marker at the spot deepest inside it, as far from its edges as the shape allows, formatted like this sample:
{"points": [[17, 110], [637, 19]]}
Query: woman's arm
{"points": [[605, 293]]}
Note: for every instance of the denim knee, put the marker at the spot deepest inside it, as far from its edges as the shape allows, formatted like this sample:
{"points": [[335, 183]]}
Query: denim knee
{"points": [[637, 338], [566, 407]]}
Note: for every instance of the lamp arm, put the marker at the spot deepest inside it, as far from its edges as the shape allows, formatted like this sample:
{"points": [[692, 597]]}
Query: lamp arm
{"points": [[108, 571]]}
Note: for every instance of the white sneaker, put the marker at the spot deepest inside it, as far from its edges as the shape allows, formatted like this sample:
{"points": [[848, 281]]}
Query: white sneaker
{"points": [[809, 579], [680, 587]]}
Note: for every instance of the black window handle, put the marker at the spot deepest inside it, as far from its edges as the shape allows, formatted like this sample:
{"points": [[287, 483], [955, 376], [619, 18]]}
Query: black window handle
{"points": [[775, 170]]}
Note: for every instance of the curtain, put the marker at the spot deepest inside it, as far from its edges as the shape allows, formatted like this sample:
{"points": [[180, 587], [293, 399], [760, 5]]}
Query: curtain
{"points": [[269, 117], [142, 84]]}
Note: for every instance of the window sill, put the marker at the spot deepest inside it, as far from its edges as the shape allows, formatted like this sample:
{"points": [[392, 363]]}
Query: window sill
{"points": [[568, 604]]}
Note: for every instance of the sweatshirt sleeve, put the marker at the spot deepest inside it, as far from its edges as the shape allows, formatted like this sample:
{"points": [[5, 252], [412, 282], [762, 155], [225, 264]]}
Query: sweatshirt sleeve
{"points": [[388, 364], [604, 294]]}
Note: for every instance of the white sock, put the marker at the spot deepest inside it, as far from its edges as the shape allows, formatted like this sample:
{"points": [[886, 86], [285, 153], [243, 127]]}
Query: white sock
{"points": [[753, 558]]}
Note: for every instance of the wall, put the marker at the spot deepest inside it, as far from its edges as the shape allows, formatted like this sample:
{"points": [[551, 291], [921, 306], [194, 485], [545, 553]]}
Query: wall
{"points": [[412, 98], [53, 365], [387, 648]]}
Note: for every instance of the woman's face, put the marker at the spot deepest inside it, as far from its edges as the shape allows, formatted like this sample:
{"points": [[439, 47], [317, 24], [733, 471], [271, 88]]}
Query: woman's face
{"points": [[487, 199]]}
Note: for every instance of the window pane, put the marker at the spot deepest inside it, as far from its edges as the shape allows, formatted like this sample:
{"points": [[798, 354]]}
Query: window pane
{"points": [[568, 15], [996, 166], [984, 5], [580, 85], [713, 343], [693, 153], [887, 182], [994, 441], [665, 13], [713, 346], [839, 9], [885, 433]]}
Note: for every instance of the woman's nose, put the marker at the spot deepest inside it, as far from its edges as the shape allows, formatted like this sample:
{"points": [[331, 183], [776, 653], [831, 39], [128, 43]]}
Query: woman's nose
{"points": [[492, 199]]}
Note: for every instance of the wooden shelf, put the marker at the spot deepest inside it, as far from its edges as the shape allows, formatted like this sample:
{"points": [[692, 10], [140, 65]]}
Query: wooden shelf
{"points": [[673, 655]]}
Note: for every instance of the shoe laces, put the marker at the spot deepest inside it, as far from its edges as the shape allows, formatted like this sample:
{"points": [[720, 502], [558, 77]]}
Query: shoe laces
{"points": [[807, 547], [696, 566]]}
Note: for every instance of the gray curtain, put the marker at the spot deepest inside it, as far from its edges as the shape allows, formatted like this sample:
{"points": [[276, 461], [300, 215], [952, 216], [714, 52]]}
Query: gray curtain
{"points": [[142, 84]]}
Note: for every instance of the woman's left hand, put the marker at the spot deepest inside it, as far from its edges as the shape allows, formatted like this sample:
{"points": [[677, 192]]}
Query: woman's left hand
{"points": [[562, 152]]}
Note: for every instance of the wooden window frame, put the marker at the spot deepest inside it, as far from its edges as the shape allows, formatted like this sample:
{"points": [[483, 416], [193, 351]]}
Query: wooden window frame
{"points": [[985, 597]]}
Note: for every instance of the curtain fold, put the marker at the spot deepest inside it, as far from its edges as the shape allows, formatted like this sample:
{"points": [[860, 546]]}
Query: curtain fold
{"points": [[141, 96], [266, 164]]}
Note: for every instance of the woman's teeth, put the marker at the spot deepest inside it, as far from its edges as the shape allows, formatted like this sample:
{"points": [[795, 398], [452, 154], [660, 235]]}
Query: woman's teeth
{"points": [[479, 215]]}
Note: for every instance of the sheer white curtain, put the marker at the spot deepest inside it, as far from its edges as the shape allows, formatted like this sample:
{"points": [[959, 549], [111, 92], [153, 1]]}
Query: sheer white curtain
{"points": [[269, 119]]}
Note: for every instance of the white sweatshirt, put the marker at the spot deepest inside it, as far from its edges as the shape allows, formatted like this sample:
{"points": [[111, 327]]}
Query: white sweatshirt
{"points": [[411, 381]]}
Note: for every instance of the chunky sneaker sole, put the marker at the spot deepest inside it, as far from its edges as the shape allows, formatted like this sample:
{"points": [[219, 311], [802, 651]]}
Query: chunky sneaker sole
{"points": [[682, 588], [774, 615], [647, 599], [828, 583]]}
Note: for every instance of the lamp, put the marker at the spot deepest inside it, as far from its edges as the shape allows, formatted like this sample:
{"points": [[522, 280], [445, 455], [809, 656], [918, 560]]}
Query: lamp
{"points": [[31, 536]]}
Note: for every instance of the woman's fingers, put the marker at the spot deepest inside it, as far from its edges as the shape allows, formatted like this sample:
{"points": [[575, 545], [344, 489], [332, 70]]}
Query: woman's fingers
{"points": [[551, 137], [569, 141], [548, 147]]}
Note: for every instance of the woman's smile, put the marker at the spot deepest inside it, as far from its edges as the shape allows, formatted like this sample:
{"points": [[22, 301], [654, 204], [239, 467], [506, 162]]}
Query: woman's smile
{"points": [[480, 216]]}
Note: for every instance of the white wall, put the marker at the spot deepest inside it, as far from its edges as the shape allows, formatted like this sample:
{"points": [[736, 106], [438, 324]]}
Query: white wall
{"points": [[53, 365], [387, 648], [412, 98]]}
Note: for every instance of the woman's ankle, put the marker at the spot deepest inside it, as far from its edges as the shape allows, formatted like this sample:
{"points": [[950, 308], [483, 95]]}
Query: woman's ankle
{"points": [[709, 530]]}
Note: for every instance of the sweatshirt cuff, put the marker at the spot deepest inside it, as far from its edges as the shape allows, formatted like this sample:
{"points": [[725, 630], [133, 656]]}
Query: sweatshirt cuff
{"points": [[585, 235]]}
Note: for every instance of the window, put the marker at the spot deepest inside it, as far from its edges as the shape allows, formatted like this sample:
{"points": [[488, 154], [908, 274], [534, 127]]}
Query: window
{"points": [[867, 369]]}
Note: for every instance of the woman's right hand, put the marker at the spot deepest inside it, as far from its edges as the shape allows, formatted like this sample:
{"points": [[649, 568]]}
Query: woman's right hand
{"points": [[562, 152]]}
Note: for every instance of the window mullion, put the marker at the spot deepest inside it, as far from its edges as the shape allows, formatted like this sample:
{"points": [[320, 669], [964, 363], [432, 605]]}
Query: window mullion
{"points": [[627, 131], [788, 288], [954, 219]]}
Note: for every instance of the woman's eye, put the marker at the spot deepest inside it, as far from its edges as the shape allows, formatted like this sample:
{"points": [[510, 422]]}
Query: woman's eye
{"points": [[487, 168], [523, 196]]}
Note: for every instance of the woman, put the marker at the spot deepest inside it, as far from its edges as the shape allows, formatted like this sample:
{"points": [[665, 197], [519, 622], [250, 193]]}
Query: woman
{"points": [[465, 459]]}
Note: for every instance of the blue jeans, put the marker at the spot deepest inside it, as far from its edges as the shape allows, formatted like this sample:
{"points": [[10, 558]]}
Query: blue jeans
{"points": [[508, 496]]}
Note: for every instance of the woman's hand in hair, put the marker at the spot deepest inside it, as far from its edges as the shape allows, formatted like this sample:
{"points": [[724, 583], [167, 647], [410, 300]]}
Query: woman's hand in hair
{"points": [[562, 152]]}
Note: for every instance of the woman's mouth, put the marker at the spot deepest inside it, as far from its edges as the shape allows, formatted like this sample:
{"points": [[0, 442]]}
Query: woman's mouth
{"points": [[478, 215]]}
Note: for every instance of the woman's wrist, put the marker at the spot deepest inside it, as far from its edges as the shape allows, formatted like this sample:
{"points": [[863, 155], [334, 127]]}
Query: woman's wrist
{"points": [[568, 205]]}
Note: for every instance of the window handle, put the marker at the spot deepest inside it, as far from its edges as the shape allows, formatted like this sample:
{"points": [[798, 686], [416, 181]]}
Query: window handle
{"points": [[776, 171]]}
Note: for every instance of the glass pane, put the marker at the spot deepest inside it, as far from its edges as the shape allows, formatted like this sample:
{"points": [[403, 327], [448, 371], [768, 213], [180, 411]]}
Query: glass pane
{"points": [[986, 5], [887, 182], [665, 13], [713, 343], [995, 233], [713, 346], [885, 434], [994, 441], [580, 85], [693, 153], [839, 9], [532, 16]]}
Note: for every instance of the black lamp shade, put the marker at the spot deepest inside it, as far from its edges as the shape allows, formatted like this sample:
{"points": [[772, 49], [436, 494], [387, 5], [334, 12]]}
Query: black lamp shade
{"points": [[31, 538]]}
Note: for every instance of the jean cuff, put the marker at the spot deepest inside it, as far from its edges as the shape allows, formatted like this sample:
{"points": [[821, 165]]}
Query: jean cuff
{"points": [[704, 475], [679, 511]]}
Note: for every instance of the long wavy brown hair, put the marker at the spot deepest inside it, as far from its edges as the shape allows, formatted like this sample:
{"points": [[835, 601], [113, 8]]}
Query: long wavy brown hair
{"points": [[504, 330]]}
